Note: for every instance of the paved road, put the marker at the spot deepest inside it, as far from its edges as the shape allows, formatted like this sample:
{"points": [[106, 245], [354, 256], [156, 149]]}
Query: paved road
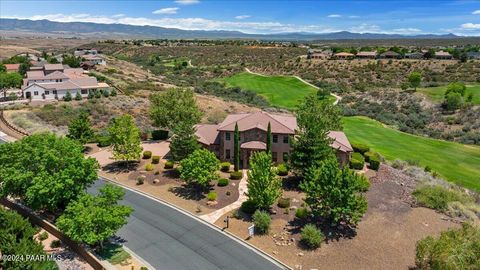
{"points": [[169, 239]]}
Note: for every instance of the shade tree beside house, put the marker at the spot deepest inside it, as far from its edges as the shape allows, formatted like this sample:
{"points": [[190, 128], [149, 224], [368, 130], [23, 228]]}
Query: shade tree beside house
{"points": [[125, 138]]}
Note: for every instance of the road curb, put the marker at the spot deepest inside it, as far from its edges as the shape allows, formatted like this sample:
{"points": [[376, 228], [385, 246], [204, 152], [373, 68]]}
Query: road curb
{"points": [[232, 236]]}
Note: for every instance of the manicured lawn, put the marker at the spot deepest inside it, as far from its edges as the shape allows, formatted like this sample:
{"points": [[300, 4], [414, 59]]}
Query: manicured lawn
{"points": [[113, 253], [455, 162], [437, 93], [280, 91]]}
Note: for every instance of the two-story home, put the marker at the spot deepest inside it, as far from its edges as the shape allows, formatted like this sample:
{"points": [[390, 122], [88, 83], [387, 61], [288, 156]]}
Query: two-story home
{"points": [[253, 136]]}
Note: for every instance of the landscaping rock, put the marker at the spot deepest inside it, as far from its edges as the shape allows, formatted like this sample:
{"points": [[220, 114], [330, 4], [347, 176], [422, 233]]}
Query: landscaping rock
{"points": [[300, 254], [156, 181], [212, 203]]}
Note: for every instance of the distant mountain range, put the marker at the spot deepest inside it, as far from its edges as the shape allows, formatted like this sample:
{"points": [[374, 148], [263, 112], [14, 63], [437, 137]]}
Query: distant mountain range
{"points": [[133, 31]]}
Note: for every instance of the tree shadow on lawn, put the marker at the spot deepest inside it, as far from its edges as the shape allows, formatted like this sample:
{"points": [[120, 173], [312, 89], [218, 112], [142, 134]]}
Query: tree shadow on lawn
{"points": [[191, 192], [121, 167]]}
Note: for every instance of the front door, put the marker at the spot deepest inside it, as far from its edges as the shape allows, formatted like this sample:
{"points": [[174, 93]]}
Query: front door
{"points": [[28, 95]]}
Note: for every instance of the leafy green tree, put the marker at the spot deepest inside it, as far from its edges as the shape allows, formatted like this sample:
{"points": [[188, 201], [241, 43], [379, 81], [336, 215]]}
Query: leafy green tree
{"points": [[269, 138], [311, 145], [236, 149], [80, 129], [93, 219], [72, 61], [113, 93], [172, 107], [335, 194], [125, 138], [47, 171], [16, 237], [2, 68], [264, 187], [184, 141], [9, 80], [456, 87], [323, 93], [67, 97], [453, 101], [200, 167], [415, 78]]}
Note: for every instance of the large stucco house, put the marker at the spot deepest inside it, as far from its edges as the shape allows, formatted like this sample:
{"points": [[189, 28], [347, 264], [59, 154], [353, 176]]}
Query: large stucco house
{"points": [[253, 136], [53, 81]]}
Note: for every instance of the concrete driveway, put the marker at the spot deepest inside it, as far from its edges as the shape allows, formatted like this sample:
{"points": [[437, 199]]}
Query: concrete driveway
{"points": [[169, 239]]}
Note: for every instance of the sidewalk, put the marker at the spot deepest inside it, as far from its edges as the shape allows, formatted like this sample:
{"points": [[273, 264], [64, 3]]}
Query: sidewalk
{"points": [[242, 190]]}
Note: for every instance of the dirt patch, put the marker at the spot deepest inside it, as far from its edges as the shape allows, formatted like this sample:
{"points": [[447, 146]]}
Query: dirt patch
{"points": [[384, 239]]}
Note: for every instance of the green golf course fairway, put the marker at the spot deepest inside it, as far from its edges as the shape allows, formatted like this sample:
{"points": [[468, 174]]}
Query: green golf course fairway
{"points": [[453, 161], [437, 93], [280, 91]]}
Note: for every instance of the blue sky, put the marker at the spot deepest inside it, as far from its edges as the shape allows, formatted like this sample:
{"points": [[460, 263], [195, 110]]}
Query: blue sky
{"points": [[400, 17]]}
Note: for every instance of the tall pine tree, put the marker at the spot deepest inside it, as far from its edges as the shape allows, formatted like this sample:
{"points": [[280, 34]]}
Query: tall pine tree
{"points": [[269, 138], [236, 149]]}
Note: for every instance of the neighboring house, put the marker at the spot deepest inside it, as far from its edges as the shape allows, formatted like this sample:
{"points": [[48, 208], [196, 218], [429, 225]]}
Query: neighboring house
{"points": [[253, 136], [81, 52], [55, 80], [473, 55], [367, 55], [344, 55], [414, 55], [443, 55], [94, 58], [390, 55], [12, 67], [319, 55]]}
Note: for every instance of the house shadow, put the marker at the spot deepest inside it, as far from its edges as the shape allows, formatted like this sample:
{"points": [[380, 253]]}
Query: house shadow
{"points": [[121, 167]]}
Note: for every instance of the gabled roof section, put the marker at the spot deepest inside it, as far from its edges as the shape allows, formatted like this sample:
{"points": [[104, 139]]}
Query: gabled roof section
{"points": [[340, 141], [279, 123], [53, 67], [56, 75], [207, 134]]}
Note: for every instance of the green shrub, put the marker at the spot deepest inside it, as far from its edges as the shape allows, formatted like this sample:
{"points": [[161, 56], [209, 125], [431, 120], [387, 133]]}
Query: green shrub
{"points": [[301, 213], [212, 196], [360, 148], [236, 175], [364, 183], [155, 159], [78, 96], [159, 134], [374, 163], [248, 207], [222, 182], [67, 97], [438, 197], [282, 169], [428, 169], [225, 166], [283, 202], [168, 165], [98, 94], [370, 154], [157, 172], [357, 161], [311, 236], [147, 154], [113, 92], [140, 180], [55, 243], [105, 93], [43, 236], [454, 249], [261, 220], [413, 162], [149, 167]]}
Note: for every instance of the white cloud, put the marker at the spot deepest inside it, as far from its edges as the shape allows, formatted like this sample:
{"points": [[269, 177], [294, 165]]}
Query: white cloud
{"points": [[334, 16], [470, 26], [476, 12], [187, 2], [172, 10], [241, 17], [118, 15]]}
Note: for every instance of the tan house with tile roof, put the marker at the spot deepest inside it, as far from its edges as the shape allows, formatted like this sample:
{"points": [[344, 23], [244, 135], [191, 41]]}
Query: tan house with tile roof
{"points": [[253, 136]]}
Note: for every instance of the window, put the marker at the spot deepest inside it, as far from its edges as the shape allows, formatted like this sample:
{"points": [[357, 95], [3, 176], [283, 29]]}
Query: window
{"points": [[285, 156], [227, 154], [275, 138], [84, 91], [285, 139], [227, 136], [274, 156], [54, 92], [35, 93], [47, 92]]}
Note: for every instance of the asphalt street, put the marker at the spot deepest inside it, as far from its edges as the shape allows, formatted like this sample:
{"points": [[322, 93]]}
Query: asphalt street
{"points": [[169, 239]]}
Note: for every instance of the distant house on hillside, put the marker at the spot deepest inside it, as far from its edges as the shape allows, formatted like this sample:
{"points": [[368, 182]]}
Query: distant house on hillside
{"points": [[81, 52], [95, 59], [319, 55], [414, 55], [390, 55], [344, 55], [12, 67], [443, 55], [253, 137], [367, 55], [473, 55], [54, 81]]}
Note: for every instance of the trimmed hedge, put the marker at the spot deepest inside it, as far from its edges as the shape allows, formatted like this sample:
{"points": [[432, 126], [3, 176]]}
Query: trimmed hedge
{"points": [[236, 175], [168, 165], [374, 163], [103, 141], [357, 162], [155, 159], [282, 169], [140, 180], [147, 154], [225, 166], [159, 134], [248, 207], [360, 148], [222, 182], [283, 202], [212, 196]]}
